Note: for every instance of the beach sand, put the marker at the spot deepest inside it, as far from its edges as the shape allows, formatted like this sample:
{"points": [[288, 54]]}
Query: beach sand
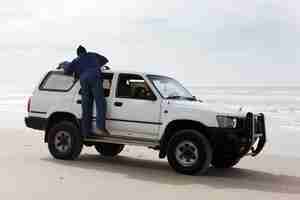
{"points": [[27, 171]]}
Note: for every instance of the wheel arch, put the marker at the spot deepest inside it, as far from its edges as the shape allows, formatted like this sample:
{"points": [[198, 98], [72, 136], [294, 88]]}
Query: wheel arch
{"points": [[57, 117], [177, 125]]}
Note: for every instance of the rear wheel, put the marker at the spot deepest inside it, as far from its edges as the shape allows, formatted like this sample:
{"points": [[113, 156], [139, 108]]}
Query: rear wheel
{"points": [[189, 152], [64, 141], [109, 149]]}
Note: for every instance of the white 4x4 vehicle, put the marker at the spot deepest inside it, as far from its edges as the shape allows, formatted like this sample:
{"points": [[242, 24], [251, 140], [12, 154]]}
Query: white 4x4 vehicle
{"points": [[146, 110]]}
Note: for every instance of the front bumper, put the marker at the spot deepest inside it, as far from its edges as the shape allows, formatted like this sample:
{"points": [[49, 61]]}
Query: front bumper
{"points": [[248, 138]]}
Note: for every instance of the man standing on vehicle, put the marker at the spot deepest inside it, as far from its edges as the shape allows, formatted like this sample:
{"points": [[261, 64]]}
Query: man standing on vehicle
{"points": [[88, 66]]}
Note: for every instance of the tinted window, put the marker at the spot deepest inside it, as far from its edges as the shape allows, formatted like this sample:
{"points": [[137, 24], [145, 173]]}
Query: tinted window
{"points": [[57, 81], [133, 86]]}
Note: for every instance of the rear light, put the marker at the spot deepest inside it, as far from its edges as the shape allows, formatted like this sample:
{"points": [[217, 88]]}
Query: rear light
{"points": [[28, 104]]}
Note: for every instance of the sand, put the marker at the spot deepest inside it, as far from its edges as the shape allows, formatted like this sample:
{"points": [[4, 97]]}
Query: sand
{"points": [[27, 171]]}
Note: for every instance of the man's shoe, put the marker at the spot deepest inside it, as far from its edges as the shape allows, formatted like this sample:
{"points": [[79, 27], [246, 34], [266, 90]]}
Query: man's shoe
{"points": [[101, 132]]}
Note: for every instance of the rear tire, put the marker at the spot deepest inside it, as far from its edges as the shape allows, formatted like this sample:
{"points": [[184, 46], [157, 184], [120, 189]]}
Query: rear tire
{"points": [[189, 152], [64, 141], [109, 149]]}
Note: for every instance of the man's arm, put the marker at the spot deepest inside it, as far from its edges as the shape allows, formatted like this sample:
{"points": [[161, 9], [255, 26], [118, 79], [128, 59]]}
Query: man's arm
{"points": [[70, 67], [101, 60]]}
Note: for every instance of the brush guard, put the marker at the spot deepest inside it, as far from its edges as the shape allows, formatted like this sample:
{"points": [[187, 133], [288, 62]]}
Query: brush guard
{"points": [[257, 133]]}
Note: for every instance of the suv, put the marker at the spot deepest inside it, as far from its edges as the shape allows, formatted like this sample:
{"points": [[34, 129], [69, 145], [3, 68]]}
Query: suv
{"points": [[146, 110]]}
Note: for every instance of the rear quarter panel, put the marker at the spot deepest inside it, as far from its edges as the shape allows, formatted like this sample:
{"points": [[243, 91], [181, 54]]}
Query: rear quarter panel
{"points": [[44, 103]]}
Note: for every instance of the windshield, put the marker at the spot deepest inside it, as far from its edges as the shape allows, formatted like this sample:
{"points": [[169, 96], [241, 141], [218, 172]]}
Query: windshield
{"points": [[170, 88]]}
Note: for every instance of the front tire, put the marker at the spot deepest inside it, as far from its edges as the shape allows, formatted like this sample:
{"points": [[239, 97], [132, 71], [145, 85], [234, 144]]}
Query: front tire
{"points": [[189, 152], [64, 141], [108, 149]]}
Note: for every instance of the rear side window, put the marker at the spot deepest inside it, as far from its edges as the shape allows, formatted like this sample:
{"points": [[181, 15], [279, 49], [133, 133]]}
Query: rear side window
{"points": [[57, 81]]}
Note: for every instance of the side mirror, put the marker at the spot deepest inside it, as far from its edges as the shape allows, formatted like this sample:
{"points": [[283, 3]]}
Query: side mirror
{"points": [[152, 97]]}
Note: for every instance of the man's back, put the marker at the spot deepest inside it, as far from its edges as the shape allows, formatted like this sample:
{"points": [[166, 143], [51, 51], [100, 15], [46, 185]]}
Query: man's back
{"points": [[88, 65]]}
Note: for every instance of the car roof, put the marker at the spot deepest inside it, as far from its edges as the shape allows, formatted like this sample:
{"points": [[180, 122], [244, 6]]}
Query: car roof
{"points": [[123, 71], [120, 71]]}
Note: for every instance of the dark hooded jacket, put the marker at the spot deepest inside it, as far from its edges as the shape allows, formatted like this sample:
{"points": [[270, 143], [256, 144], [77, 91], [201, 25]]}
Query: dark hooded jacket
{"points": [[87, 66]]}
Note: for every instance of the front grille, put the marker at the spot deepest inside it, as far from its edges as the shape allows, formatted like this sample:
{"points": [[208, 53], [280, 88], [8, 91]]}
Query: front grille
{"points": [[258, 121], [241, 123]]}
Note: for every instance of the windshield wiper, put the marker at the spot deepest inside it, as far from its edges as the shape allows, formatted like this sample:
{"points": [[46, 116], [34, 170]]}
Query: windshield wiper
{"points": [[191, 98], [182, 97], [174, 97]]}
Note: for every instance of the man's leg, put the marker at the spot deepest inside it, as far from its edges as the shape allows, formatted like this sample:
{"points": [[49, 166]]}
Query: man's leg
{"points": [[98, 93], [87, 108]]}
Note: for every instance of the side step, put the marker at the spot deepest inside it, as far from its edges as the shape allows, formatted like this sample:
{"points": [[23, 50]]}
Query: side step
{"points": [[122, 140]]}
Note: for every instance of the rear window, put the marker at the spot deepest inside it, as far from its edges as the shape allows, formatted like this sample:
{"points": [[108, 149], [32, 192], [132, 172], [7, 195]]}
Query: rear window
{"points": [[57, 81]]}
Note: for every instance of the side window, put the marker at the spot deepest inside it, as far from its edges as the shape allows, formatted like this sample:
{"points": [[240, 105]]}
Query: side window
{"points": [[133, 86], [56, 81], [107, 83]]}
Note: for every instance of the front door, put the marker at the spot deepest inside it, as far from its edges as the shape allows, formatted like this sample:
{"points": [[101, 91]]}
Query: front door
{"points": [[135, 110]]}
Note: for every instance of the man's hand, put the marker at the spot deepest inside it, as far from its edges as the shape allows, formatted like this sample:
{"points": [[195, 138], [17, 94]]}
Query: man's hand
{"points": [[63, 65]]}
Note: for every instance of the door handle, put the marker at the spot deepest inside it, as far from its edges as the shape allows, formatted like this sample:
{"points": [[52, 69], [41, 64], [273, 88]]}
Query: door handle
{"points": [[79, 101], [118, 104]]}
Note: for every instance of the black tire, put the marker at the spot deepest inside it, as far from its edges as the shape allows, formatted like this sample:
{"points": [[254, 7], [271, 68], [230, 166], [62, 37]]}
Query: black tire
{"points": [[221, 162], [65, 134], [108, 149], [187, 145]]}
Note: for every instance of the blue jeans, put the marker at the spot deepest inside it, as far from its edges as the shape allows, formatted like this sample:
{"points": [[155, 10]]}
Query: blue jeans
{"points": [[92, 89]]}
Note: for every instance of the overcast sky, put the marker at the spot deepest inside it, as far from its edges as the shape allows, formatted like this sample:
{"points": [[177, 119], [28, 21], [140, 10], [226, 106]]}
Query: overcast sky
{"points": [[205, 42]]}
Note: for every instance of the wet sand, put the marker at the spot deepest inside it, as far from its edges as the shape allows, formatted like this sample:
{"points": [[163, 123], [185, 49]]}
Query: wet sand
{"points": [[27, 171]]}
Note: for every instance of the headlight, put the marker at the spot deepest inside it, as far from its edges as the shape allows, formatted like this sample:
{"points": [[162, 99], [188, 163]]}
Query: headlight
{"points": [[226, 121]]}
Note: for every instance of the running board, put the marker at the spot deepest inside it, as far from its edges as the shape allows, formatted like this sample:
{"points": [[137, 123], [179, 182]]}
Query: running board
{"points": [[123, 140]]}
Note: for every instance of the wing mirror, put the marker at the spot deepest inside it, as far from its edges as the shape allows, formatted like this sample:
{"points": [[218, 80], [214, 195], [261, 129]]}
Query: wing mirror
{"points": [[152, 97]]}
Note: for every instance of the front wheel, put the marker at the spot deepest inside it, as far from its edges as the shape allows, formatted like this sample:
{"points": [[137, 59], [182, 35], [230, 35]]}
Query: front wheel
{"points": [[189, 152], [65, 141]]}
